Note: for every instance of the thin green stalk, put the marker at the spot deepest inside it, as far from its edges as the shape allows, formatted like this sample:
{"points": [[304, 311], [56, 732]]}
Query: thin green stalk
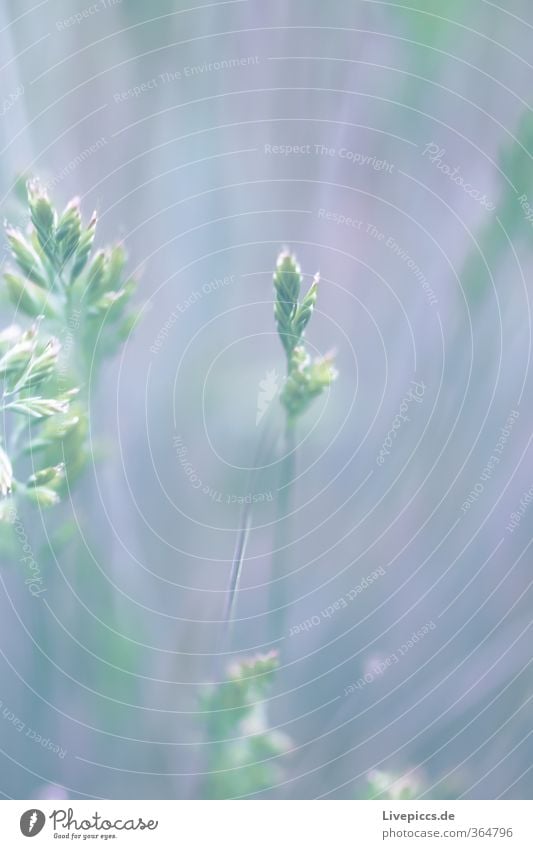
{"points": [[307, 378], [236, 567], [263, 450], [237, 694], [280, 553]]}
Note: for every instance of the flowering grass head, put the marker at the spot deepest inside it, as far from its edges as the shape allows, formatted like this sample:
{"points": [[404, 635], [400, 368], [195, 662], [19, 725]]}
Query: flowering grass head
{"points": [[307, 377]]}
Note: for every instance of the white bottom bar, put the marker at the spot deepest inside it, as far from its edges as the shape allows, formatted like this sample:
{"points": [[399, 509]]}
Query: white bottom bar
{"points": [[268, 825]]}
